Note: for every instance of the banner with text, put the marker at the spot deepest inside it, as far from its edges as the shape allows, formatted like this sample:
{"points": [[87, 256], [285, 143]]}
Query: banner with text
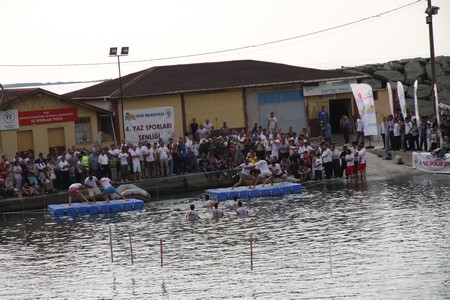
{"points": [[364, 101], [426, 162], [9, 119], [45, 116], [149, 124]]}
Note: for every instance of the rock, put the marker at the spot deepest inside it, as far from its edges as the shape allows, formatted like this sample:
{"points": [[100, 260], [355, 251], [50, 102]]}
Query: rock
{"points": [[444, 62], [439, 70], [426, 107], [393, 85], [423, 91], [393, 66], [389, 76], [374, 83], [443, 82], [367, 69], [414, 71], [444, 97]]}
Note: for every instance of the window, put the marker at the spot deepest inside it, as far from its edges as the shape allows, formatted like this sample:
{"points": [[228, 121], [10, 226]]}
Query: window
{"points": [[277, 97], [83, 130]]}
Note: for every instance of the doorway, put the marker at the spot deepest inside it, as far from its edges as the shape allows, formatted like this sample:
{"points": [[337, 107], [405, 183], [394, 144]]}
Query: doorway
{"points": [[337, 109]]}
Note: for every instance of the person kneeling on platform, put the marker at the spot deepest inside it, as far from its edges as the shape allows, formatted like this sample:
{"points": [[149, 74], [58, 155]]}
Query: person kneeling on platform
{"points": [[108, 189], [75, 193], [277, 172]]}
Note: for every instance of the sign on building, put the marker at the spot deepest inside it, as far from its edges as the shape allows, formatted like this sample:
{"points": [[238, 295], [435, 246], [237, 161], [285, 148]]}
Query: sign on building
{"points": [[9, 120], [328, 87], [149, 124], [36, 117]]}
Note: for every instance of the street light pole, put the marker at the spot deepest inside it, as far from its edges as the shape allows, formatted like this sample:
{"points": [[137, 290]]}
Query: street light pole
{"points": [[430, 11], [123, 52]]}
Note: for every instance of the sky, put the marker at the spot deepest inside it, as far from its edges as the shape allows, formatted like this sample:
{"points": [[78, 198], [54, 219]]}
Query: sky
{"points": [[47, 40]]}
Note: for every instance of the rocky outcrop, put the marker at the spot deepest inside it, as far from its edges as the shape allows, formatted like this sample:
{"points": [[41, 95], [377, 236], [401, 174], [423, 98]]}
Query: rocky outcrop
{"points": [[407, 71]]}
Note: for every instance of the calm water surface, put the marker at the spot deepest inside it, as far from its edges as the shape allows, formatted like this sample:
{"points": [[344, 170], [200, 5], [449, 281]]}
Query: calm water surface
{"points": [[384, 239]]}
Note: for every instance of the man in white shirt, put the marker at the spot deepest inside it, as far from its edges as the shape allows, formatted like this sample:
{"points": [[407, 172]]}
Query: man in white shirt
{"points": [[123, 158], [150, 166], [103, 161], [91, 184], [109, 190], [277, 172], [359, 130], [208, 126], [264, 172], [397, 135], [241, 212], [272, 122], [327, 160], [75, 193], [163, 157], [245, 173], [362, 161], [135, 154]]}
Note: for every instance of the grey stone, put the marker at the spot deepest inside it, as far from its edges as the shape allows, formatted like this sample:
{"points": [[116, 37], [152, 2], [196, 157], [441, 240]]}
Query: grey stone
{"points": [[423, 91], [444, 97], [444, 62], [374, 83], [439, 70], [389, 76], [443, 82], [393, 85], [414, 71], [393, 66], [426, 107]]}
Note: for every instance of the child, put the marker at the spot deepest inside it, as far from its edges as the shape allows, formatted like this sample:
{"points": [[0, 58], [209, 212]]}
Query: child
{"points": [[318, 167]]}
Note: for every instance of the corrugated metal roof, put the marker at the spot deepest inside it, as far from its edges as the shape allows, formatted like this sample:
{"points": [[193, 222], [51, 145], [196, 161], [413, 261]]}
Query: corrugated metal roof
{"points": [[9, 96], [205, 77]]}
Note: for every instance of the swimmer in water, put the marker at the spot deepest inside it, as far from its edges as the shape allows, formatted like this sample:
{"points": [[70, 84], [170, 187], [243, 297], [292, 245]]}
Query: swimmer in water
{"points": [[217, 213], [241, 212], [192, 214]]}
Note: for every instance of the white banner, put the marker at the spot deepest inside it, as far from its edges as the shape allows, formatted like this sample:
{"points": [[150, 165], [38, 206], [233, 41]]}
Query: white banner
{"points": [[149, 124], [416, 104], [436, 103], [364, 100], [391, 100], [9, 119], [426, 162], [401, 98]]}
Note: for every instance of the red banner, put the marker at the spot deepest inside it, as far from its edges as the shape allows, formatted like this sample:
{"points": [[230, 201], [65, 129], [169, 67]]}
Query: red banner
{"points": [[47, 116]]}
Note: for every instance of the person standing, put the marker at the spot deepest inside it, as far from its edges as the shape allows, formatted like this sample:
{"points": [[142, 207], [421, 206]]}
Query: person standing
{"points": [[423, 145], [336, 163], [103, 161], [327, 161], [383, 128], [328, 133], [272, 122], [346, 130], [123, 158], [359, 130], [323, 115], [194, 127], [208, 126]]}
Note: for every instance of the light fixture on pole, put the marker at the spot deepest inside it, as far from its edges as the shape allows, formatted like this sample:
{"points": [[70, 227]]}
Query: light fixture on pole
{"points": [[430, 11], [123, 52]]}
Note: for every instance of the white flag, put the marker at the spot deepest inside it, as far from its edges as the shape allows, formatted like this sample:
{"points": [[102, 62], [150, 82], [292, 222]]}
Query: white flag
{"points": [[436, 102], [416, 104], [391, 100], [401, 98], [364, 100]]}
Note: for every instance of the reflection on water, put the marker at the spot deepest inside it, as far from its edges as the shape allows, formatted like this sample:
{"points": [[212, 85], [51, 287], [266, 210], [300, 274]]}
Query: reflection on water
{"points": [[376, 240]]}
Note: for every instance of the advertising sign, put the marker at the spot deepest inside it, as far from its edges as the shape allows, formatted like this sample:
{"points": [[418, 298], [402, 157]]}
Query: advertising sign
{"points": [[149, 124]]}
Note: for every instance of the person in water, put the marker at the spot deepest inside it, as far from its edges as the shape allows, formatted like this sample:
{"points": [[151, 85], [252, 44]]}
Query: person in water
{"points": [[241, 212], [192, 214], [217, 213]]}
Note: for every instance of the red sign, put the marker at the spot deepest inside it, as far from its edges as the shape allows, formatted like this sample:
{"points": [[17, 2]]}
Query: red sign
{"points": [[47, 116]]}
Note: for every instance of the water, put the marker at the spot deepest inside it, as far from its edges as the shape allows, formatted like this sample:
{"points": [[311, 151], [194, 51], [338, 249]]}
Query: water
{"points": [[385, 239]]}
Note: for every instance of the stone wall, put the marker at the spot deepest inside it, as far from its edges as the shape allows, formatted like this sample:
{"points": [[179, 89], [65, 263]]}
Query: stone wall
{"points": [[407, 71]]}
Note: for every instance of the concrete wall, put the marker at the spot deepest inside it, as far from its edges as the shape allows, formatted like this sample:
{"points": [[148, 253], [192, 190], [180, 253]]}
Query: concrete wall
{"points": [[217, 107]]}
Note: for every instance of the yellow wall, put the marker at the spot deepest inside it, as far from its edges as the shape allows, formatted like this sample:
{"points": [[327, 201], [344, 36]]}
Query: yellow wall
{"points": [[382, 105], [217, 107], [40, 137], [152, 102]]}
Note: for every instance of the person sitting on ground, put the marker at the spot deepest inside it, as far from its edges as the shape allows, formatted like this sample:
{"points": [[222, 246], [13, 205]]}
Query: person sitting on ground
{"points": [[75, 193], [191, 214], [241, 212], [29, 190]]}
